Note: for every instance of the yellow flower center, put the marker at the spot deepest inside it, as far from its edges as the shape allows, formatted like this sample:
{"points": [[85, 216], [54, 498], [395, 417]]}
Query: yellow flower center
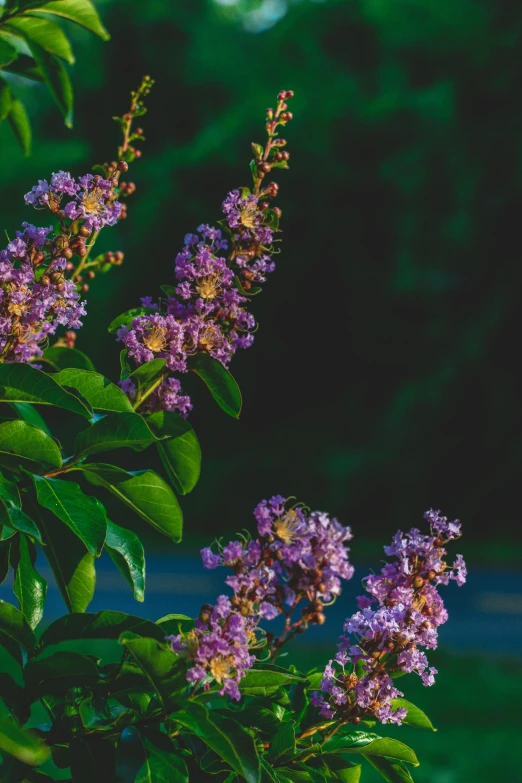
{"points": [[285, 527], [219, 669], [248, 216], [208, 287], [155, 339], [208, 338], [92, 201]]}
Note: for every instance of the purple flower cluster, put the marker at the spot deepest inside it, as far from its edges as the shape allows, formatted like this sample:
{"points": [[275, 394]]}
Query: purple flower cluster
{"points": [[400, 615], [298, 555], [33, 304], [206, 312], [218, 647], [91, 199]]}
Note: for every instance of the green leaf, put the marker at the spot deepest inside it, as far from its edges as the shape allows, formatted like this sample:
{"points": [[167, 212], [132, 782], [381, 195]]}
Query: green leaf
{"points": [[147, 372], [126, 552], [5, 549], [23, 744], [65, 358], [126, 318], [82, 12], [23, 445], [59, 672], [265, 680], [225, 737], [170, 290], [24, 524], [21, 126], [11, 693], [5, 92], [391, 771], [415, 716], [173, 624], [102, 395], [7, 54], [23, 383], [150, 758], [282, 744], [14, 626], [84, 515], [29, 587], [383, 746], [181, 453], [164, 670], [115, 431], [71, 564], [9, 495], [99, 625], [44, 33], [28, 413], [143, 491], [57, 80], [219, 381]]}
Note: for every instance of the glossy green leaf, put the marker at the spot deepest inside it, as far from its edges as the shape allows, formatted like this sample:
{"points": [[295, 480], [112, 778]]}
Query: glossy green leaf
{"points": [[173, 624], [45, 33], [282, 744], [144, 491], [148, 758], [99, 625], [9, 495], [21, 126], [23, 445], [126, 318], [5, 92], [19, 520], [268, 676], [102, 395], [71, 564], [343, 771], [383, 746], [145, 373], [59, 672], [14, 626], [23, 744], [29, 587], [84, 515], [64, 358], [7, 54], [391, 771], [23, 383], [415, 716], [164, 670], [126, 551], [28, 413], [82, 12], [115, 431], [219, 381], [57, 80], [225, 737], [181, 453]]}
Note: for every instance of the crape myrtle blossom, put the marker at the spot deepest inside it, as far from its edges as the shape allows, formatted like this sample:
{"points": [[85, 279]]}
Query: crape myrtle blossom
{"points": [[216, 272], [400, 615], [34, 299], [36, 295], [298, 556]]}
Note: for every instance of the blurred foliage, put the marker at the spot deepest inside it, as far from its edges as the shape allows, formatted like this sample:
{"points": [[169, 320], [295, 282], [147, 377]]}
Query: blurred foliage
{"points": [[383, 377], [33, 49]]}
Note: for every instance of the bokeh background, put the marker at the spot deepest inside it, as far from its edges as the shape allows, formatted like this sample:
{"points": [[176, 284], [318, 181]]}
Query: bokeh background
{"points": [[384, 376]]}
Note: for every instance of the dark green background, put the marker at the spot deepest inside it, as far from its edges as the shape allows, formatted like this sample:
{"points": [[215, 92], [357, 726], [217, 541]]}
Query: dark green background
{"points": [[384, 377]]}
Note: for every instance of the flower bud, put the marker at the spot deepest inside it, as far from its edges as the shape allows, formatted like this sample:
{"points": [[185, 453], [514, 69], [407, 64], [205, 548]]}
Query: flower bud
{"points": [[45, 280], [122, 166], [67, 252], [91, 274], [84, 231], [418, 581], [320, 618], [85, 288]]}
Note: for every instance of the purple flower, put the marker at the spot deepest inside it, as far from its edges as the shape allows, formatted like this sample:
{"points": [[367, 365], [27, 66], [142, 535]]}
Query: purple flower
{"points": [[408, 610]]}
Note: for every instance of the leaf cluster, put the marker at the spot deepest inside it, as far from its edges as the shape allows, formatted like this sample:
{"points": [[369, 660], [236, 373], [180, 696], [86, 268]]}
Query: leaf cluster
{"points": [[34, 48], [138, 720]]}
